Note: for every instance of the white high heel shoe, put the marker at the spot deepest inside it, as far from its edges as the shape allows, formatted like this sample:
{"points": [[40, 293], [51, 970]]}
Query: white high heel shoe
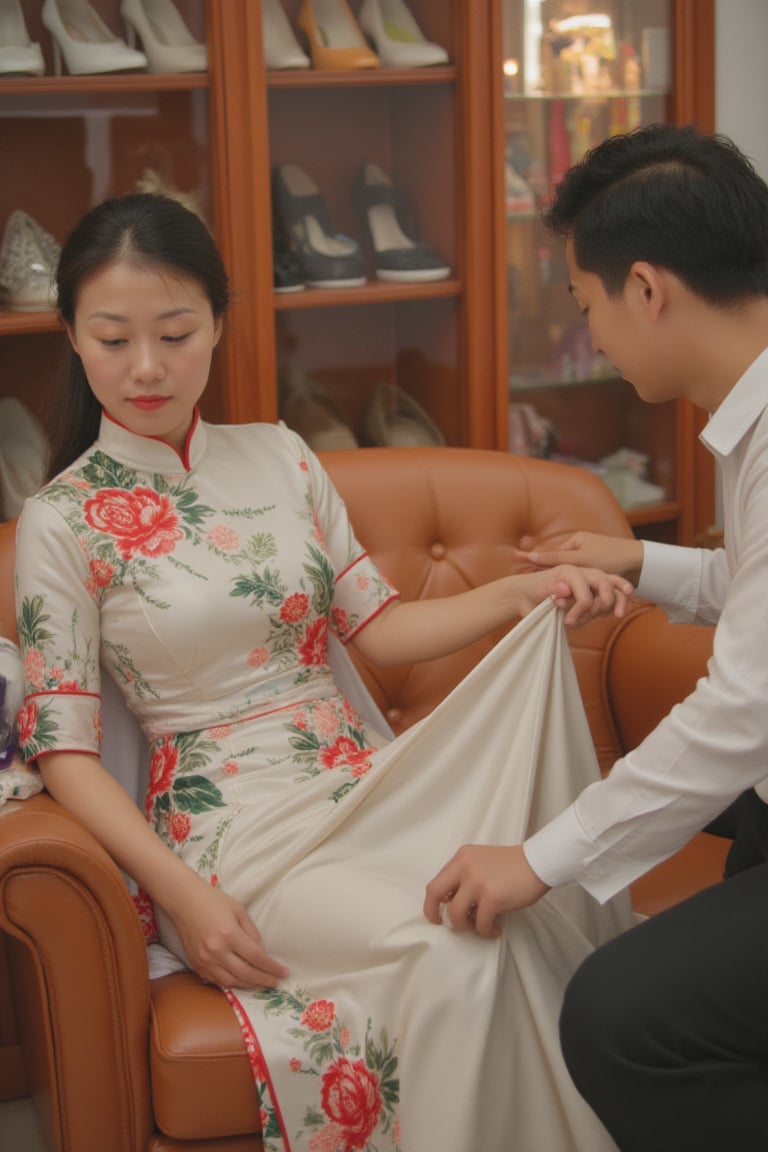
{"points": [[397, 38], [165, 38], [28, 260], [281, 48], [82, 38], [18, 55]]}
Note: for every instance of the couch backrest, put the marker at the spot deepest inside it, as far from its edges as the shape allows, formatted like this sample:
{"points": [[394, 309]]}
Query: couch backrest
{"points": [[440, 520]]}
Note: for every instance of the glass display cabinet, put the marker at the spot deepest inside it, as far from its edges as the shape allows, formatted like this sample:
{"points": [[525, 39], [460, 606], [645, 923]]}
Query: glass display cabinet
{"points": [[575, 72], [471, 142]]}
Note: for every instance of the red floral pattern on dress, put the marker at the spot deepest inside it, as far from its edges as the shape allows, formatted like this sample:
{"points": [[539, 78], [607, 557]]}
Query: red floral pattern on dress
{"points": [[346, 752], [27, 721], [34, 668], [146, 913], [102, 573], [162, 767], [180, 825], [351, 1098], [318, 1016], [294, 608], [314, 649], [141, 522]]}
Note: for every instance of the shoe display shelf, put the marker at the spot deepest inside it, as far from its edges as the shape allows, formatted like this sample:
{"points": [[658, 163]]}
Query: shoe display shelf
{"points": [[432, 138], [218, 134], [421, 136], [71, 140], [573, 75]]}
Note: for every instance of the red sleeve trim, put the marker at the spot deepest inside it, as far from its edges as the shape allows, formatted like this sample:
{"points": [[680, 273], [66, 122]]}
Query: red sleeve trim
{"points": [[349, 567], [58, 692], [64, 752], [366, 622]]}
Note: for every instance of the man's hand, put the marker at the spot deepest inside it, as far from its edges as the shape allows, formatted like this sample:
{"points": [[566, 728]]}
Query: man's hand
{"points": [[481, 883], [620, 554]]}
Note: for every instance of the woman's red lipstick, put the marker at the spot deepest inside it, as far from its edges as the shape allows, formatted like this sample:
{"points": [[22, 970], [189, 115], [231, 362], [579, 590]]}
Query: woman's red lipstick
{"points": [[149, 403]]}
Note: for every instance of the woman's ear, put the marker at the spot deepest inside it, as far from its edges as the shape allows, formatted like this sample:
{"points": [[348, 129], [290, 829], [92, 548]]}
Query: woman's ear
{"points": [[71, 337], [218, 328]]}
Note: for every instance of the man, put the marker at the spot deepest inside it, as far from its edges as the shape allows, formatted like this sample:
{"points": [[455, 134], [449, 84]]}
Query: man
{"points": [[665, 1029]]}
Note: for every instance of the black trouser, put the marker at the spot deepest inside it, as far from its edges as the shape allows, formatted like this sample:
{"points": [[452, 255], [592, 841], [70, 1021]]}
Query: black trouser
{"points": [[665, 1029]]}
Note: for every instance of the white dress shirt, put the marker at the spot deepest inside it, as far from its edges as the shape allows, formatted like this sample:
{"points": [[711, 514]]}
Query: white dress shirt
{"points": [[713, 745]]}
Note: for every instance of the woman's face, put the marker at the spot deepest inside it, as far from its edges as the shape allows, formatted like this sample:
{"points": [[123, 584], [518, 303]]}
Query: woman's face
{"points": [[145, 337]]}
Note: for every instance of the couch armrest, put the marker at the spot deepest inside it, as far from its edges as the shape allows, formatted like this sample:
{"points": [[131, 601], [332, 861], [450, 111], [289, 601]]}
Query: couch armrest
{"points": [[652, 664], [80, 978]]}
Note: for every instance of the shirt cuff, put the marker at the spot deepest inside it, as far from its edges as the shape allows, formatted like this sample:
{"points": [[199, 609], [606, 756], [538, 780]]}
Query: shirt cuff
{"points": [[671, 577], [557, 851]]}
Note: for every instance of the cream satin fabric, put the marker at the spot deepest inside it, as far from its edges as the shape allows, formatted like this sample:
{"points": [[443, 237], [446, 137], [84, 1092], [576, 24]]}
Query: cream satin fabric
{"points": [[474, 1022]]}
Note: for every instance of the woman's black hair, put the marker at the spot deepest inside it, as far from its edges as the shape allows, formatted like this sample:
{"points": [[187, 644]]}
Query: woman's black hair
{"points": [[147, 230]]}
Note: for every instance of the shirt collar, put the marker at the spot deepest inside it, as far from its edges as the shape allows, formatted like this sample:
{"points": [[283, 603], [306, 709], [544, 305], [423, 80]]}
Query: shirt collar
{"points": [[740, 409], [148, 453]]}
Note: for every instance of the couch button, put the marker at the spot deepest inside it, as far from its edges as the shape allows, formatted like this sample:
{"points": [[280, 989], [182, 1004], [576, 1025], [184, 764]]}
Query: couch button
{"points": [[394, 716], [438, 551]]}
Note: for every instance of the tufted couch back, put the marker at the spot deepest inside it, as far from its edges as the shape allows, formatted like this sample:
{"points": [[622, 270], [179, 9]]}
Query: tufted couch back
{"points": [[438, 521]]}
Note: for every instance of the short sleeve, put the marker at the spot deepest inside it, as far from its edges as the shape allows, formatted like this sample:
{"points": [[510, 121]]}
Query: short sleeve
{"points": [[58, 626], [361, 591]]}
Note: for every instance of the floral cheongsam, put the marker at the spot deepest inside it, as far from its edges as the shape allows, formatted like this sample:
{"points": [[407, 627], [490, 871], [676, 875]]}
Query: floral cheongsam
{"points": [[206, 584]]}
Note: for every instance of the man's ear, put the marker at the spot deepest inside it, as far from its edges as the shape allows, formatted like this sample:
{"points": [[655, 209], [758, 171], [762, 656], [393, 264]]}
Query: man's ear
{"points": [[649, 282]]}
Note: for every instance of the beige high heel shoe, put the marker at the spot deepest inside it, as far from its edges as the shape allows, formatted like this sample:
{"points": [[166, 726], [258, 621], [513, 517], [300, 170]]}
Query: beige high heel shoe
{"points": [[309, 411], [84, 42], [168, 43], [18, 55], [281, 48], [397, 38]]}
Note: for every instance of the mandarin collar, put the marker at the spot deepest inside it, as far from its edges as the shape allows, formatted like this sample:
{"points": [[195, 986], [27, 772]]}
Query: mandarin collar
{"points": [[740, 409], [148, 453]]}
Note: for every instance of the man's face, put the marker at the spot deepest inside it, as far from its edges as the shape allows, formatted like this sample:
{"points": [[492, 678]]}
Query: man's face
{"points": [[621, 327]]}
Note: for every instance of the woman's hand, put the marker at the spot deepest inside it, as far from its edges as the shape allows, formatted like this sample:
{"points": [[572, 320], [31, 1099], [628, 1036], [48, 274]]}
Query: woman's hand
{"points": [[479, 884], [582, 593], [221, 942], [620, 554]]}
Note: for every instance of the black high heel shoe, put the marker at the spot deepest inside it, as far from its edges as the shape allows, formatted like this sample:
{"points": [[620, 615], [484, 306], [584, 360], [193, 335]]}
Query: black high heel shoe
{"points": [[328, 259], [385, 217]]}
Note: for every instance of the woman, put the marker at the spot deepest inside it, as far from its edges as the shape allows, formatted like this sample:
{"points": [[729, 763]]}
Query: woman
{"points": [[287, 844]]}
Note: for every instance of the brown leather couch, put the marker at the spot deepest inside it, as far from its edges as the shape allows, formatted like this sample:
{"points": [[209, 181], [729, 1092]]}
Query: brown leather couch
{"points": [[118, 1065]]}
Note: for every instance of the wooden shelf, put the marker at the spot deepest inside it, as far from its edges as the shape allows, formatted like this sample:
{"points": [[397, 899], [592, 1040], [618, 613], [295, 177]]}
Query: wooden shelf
{"points": [[667, 513], [125, 83], [362, 77], [374, 292], [28, 323]]}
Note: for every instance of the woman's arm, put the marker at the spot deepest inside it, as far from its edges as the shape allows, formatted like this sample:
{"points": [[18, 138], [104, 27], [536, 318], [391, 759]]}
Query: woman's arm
{"points": [[220, 940], [426, 629]]}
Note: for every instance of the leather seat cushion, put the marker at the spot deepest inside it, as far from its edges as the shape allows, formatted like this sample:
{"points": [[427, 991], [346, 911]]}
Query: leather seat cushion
{"points": [[202, 1085]]}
